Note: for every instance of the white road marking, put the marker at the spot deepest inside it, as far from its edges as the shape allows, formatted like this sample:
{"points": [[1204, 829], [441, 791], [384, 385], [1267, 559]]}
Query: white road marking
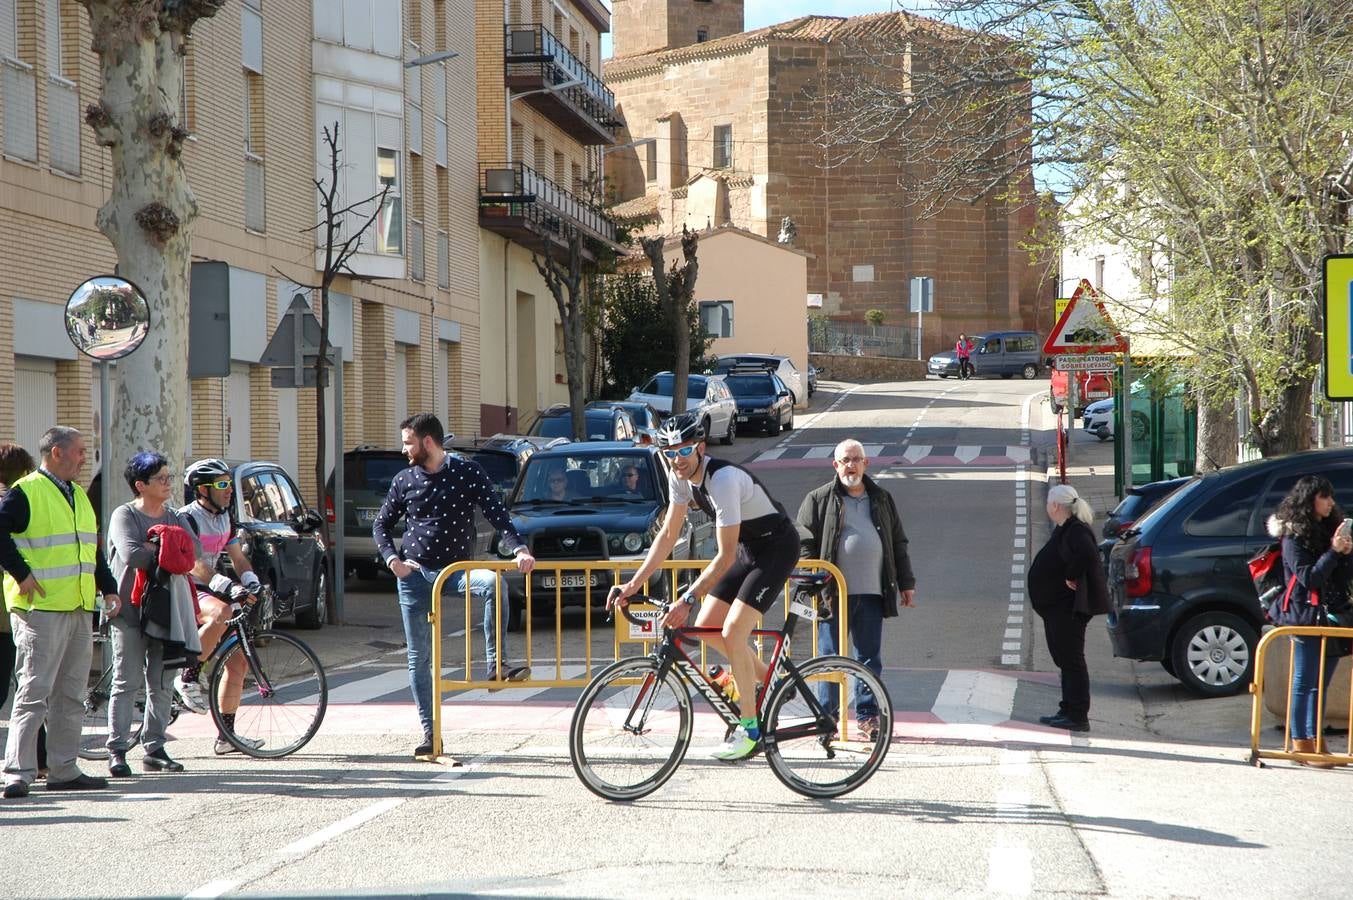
{"points": [[975, 698]]}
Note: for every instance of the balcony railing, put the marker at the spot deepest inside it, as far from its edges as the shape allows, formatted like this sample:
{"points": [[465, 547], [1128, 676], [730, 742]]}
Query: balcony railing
{"points": [[535, 60], [516, 200]]}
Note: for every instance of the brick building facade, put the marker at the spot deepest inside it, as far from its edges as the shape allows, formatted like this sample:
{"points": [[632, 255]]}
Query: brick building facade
{"points": [[262, 80], [736, 115]]}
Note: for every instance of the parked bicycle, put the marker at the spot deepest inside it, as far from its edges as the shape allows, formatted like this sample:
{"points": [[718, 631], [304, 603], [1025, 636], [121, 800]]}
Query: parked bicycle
{"points": [[632, 725], [282, 703]]}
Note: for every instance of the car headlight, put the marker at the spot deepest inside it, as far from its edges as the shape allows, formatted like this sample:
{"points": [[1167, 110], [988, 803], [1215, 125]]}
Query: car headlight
{"points": [[634, 542]]}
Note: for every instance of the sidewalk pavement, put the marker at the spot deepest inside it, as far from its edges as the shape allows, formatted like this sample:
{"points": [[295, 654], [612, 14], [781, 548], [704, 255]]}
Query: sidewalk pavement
{"points": [[1089, 470]]}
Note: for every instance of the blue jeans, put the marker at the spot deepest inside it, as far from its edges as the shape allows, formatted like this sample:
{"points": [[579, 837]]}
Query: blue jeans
{"points": [[1305, 667], [415, 604], [866, 633]]}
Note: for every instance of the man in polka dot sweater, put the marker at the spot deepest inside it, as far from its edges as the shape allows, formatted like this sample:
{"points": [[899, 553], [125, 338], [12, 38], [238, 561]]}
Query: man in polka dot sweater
{"points": [[436, 496]]}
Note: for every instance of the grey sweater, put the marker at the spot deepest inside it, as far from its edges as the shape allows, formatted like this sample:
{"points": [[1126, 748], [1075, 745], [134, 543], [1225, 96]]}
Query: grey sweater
{"points": [[127, 550]]}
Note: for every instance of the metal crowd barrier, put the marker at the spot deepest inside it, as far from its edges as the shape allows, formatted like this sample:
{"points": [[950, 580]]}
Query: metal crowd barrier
{"points": [[624, 633], [1257, 690]]}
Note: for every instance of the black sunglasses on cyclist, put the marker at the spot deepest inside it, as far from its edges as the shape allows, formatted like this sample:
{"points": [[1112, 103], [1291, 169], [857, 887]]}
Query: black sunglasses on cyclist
{"points": [[679, 451]]}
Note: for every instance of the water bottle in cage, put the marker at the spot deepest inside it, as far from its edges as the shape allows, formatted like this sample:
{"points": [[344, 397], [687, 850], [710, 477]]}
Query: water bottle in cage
{"points": [[724, 679]]}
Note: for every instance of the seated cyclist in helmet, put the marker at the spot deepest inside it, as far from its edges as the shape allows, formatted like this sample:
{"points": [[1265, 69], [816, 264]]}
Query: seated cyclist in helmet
{"points": [[758, 548], [209, 486]]}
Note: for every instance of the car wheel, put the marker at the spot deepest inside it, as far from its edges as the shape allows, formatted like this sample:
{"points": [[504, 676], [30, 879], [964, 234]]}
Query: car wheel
{"points": [[732, 430], [1030, 371], [1168, 665], [789, 426], [773, 428], [318, 613], [941, 374], [1103, 434], [1213, 654]]}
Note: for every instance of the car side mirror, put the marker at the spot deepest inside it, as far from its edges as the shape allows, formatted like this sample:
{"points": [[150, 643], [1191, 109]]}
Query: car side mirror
{"points": [[309, 520]]}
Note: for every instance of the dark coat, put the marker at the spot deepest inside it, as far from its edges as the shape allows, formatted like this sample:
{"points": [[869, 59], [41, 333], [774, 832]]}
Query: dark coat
{"points": [[1326, 575], [1071, 554], [820, 519]]}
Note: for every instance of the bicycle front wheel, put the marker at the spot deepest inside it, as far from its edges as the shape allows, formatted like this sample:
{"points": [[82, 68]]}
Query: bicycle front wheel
{"points": [[630, 731], [282, 699], [803, 753]]}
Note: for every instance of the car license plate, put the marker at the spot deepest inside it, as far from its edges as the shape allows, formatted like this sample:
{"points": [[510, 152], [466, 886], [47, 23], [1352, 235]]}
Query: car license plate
{"points": [[742, 418], [366, 515], [569, 581]]}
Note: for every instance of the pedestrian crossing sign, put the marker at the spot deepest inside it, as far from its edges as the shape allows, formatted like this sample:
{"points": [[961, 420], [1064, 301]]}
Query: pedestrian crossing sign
{"points": [[1339, 326]]}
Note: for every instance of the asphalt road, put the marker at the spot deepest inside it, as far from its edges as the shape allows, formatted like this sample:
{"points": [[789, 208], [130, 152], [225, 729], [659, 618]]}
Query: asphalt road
{"points": [[974, 799]]}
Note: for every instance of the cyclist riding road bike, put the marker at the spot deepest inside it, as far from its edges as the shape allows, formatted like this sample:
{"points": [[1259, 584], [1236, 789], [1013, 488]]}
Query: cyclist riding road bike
{"points": [[758, 546], [209, 485]]}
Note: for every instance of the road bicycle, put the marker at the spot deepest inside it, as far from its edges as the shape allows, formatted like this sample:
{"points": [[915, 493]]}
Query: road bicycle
{"points": [[632, 725], [282, 701]]}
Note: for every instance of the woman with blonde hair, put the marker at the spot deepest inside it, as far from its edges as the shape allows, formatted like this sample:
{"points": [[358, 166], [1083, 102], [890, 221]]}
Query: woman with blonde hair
{"points": [[1067, 588]]}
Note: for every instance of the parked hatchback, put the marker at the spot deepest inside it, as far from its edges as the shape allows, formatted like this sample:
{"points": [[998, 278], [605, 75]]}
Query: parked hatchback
{"points": [[764, 403], [705, 394], [280, 535], [782, 366], [1179, 589], [601, 423]]}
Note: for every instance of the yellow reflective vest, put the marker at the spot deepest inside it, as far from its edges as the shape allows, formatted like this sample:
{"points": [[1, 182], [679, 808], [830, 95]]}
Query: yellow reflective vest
{"points": [[60, 545]]}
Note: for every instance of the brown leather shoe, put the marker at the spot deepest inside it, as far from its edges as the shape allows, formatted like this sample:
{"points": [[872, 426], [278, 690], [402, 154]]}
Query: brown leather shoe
{"points": [[1308, 746]]}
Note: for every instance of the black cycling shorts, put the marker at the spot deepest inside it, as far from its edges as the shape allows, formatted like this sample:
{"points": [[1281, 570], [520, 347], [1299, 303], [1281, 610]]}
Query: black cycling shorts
{"points": [[759, 573]]}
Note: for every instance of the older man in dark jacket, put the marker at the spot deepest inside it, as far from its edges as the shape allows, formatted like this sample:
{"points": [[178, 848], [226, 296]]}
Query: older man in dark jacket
{"points": [[852, 522]]}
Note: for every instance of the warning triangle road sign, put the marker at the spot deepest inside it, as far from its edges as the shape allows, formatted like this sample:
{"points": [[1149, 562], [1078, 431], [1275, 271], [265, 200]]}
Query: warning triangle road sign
{"points": [[1085, 326]]}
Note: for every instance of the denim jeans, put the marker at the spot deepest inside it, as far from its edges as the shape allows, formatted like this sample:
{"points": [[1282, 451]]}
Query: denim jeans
{"points": [[866, 634], [415, 604], [1305, 666]]}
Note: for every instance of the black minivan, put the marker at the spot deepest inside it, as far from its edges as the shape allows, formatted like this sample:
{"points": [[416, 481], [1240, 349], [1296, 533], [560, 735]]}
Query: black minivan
{"points": [[1179, 589]]}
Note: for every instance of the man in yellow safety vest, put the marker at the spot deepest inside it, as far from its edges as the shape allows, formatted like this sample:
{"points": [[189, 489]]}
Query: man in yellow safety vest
{"points": [[54, 574]]}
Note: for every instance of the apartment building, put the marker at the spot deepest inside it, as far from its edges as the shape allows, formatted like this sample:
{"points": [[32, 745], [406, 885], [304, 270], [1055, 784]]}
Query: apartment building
{"points": [[263, 78], [545, 122], [734, 119]]}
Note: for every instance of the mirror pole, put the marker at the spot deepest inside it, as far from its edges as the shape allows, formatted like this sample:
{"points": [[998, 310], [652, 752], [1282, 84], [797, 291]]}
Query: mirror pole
{"points": [[105, 443], [339, 563]]}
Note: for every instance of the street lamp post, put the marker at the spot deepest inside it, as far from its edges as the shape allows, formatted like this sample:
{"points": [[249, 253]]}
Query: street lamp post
{"points": [[549, 89]]}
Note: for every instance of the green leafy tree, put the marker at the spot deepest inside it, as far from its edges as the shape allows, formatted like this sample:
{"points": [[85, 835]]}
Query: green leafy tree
{"points": [[637, 340]]}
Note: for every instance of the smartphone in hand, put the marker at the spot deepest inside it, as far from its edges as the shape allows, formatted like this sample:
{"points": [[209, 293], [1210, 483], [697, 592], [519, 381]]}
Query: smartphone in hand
{"points": [[1345, 528]]}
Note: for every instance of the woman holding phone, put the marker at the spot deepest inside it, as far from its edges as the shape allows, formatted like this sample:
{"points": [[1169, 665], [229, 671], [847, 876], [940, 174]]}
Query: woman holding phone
{"points": [[1316, 567]]}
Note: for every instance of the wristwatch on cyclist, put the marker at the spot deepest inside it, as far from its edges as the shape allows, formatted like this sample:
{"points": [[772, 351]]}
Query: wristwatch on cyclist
{"points": [[687, 598]]}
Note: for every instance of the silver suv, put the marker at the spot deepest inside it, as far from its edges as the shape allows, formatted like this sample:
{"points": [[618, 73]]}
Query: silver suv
{"points": [[705, 394]]}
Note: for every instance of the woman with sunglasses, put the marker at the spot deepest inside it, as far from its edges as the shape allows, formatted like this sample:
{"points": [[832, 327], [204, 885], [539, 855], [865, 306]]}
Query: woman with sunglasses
{"points": [[209, 485], [758, 548]]}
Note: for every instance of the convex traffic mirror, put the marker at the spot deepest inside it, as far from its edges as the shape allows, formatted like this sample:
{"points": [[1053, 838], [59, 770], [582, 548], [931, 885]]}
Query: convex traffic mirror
{"points": [[107, 317]]}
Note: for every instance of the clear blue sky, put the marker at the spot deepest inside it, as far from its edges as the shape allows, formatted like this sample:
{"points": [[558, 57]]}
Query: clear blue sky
{"points": [[760, 13]]}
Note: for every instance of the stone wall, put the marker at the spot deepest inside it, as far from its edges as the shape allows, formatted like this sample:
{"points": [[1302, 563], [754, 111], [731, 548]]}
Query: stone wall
{"points": [[867, 368]]}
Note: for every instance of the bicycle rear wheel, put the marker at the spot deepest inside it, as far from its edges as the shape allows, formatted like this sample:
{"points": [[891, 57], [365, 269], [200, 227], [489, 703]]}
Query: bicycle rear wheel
{"points": [[801, 753], [94, 727], [283, 699], [629, 731]]}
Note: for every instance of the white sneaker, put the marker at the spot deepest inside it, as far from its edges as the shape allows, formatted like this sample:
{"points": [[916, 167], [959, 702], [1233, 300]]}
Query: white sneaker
{"points": [[190, 695], [223, 746], [738, 746]]}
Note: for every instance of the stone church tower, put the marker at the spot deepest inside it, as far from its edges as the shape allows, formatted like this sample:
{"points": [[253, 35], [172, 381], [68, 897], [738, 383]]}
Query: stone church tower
{"points": [[644, 26]]}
